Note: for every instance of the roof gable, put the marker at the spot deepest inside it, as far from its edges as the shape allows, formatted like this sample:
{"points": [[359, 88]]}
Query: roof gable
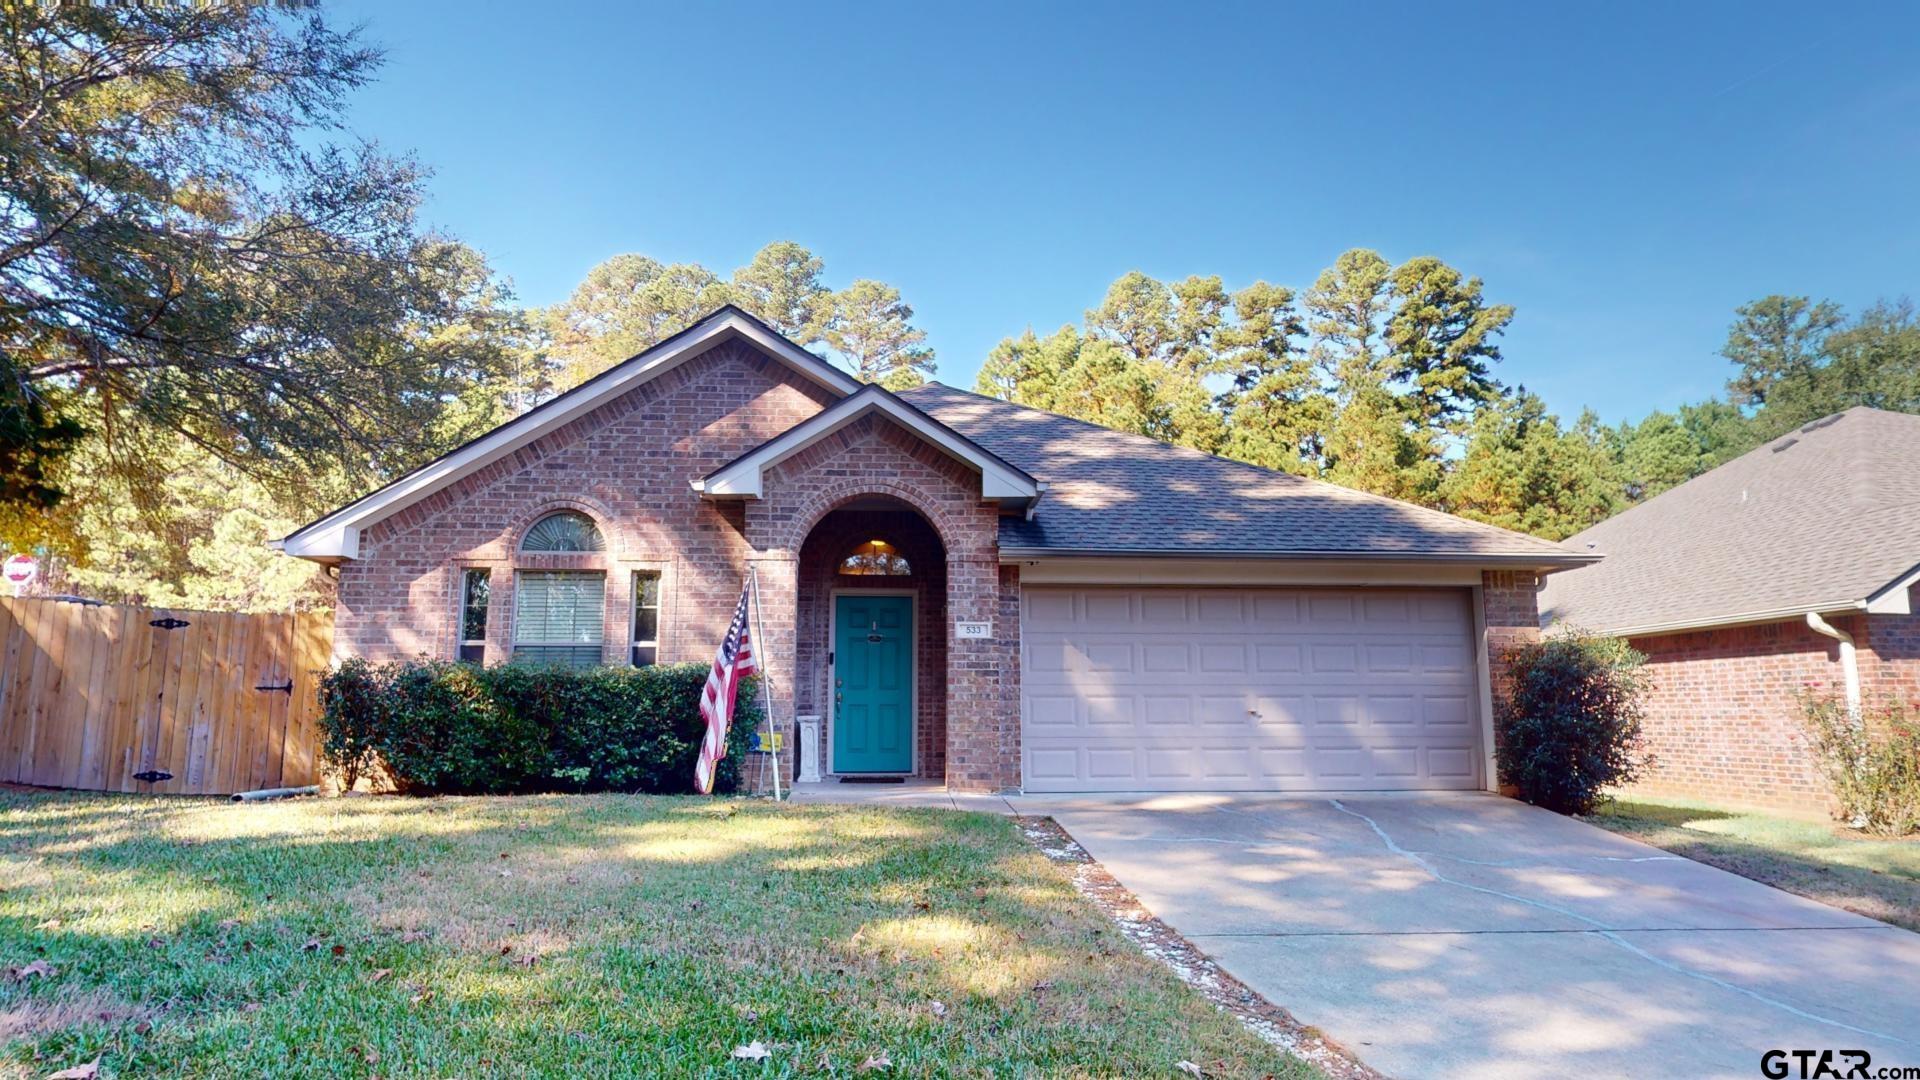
{"points": [[1825, 518], [337, 535], [744, 477]]}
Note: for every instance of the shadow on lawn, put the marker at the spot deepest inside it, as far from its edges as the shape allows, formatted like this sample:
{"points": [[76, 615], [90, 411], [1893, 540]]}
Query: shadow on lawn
{"points": [[256, 932]]}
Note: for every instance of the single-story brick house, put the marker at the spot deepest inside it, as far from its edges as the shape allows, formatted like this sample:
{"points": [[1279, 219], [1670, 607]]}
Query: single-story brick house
{"points": [[1794, 564], [963, 589]]}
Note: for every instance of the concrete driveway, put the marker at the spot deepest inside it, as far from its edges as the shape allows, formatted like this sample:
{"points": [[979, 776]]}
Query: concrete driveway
{"points": [[1473, 936]]}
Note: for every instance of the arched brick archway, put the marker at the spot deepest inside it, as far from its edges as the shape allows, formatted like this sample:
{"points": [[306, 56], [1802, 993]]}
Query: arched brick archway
{"points": [[822, 587]]}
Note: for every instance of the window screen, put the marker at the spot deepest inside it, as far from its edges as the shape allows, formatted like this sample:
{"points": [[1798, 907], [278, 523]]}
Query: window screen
{"points": [[557, 617], [646, 617]]}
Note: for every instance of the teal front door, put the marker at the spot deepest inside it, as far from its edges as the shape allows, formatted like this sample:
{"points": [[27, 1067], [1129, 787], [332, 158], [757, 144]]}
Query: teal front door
{"points": [[872, 684]]}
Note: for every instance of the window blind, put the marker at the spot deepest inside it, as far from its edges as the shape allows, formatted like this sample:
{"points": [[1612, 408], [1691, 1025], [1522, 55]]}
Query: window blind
{"points": [[558, 617]]}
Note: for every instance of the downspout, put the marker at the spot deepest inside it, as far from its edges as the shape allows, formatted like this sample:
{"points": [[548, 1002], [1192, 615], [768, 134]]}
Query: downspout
{"points": [[1849, 666]]}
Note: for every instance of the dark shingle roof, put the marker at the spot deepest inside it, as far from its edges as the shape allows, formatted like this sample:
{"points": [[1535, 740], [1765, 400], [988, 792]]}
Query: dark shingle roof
{"points": [[1109, 492], [1817, 520]]}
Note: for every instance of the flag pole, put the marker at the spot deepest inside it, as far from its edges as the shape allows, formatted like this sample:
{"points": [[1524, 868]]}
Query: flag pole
{"points": [[766, 690]]}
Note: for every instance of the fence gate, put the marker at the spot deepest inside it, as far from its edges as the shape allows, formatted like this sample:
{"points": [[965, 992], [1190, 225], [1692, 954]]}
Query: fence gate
{"points": [[108, 698]]}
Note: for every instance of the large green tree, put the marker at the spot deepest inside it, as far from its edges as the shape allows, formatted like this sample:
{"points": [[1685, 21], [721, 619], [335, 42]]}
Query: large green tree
{"points": [[624, 306], [1871, 359], [872, 329], [1521, 470], [630, 303], [1777, 339], [187, 245], [1277, 411], [1366, 378]]}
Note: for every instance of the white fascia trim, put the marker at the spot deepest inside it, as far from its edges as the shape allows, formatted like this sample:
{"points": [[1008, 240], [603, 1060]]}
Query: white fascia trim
{"points": [[1895, 597], [1796, 613], [744, 477], [338, 534]]}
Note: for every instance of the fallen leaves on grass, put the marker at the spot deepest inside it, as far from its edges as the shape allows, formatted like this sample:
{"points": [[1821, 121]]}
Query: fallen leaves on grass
{"points": [[1189, 1068], [379, 973], [875, 1063], [79, 1072], [753, 1051], [37, 969]]}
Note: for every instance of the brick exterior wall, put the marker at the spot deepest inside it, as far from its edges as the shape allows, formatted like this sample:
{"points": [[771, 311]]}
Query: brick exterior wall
{"points": [[1722, 720], [874, 456], [627, 465], [1510, 612]]}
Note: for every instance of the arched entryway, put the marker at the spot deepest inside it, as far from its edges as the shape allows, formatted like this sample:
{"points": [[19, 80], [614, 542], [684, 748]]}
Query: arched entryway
{"points": [[871, 639]]}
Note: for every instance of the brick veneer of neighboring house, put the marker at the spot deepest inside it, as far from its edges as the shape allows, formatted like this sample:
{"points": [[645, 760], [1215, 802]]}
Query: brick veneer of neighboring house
{"points": [[1723, 716]]}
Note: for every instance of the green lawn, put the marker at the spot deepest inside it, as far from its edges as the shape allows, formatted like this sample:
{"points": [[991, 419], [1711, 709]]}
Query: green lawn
{"points": [[567, 935], [1878, 878]]}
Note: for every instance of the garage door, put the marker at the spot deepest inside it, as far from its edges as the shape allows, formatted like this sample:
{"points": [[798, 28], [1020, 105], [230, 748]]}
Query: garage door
{"points": [[1248, 690]]}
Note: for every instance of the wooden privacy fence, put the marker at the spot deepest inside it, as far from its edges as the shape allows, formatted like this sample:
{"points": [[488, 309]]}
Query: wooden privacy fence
{"points": [[95, 696]]}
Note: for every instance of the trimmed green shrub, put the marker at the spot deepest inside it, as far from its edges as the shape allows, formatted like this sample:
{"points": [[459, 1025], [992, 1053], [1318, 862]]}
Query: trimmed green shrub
{"points": [[1872, 760], [1570, 725], [446, 727], [354, 711]]}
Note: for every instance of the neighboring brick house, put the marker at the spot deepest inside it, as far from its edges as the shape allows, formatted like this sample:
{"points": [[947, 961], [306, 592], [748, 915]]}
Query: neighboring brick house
{"points": [[957, 587], [1781, 571]]}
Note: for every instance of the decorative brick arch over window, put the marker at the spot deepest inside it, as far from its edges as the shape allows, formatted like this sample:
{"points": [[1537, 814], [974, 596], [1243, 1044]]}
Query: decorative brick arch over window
{"points": [[600, 516]]}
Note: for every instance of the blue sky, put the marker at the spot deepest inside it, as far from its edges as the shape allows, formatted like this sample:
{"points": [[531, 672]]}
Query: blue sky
{"points": [[1624, 174]]}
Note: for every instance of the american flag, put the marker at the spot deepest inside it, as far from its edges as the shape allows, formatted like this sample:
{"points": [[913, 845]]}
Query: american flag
{"points": [[734, 660]]}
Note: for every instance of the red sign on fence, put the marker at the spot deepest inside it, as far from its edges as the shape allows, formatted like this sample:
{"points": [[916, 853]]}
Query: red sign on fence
{"points": [[20, 570]]}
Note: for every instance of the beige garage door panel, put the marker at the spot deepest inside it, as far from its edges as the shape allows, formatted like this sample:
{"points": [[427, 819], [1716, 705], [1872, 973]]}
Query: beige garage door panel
{"points": [[1255, 689]]}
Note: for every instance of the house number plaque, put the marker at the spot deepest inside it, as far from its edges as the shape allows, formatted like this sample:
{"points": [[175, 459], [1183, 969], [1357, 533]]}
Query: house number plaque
{"points": [[973, 631]]}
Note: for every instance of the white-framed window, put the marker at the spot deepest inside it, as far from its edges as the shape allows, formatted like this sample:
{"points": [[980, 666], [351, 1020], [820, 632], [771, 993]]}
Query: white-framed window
{"points": [[476, 587], [646, 618], [559, 617]]}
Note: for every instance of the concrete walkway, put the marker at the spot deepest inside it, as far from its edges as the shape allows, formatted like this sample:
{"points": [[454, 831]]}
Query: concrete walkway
{"points": [[910, 792], [1474, 936]]}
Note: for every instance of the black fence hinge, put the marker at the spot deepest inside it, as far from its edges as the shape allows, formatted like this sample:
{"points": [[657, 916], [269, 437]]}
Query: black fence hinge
{"points": [[285, 688], [170, 623]]}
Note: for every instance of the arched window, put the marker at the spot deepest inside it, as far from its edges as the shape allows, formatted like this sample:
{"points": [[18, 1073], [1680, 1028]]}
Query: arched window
{"points": [[568, 530], [876, 557]]}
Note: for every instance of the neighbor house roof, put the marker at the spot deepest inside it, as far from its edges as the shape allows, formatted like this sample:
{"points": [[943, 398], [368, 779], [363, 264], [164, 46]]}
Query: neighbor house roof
{"points": [[1825, 519], [1111, 493]]}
